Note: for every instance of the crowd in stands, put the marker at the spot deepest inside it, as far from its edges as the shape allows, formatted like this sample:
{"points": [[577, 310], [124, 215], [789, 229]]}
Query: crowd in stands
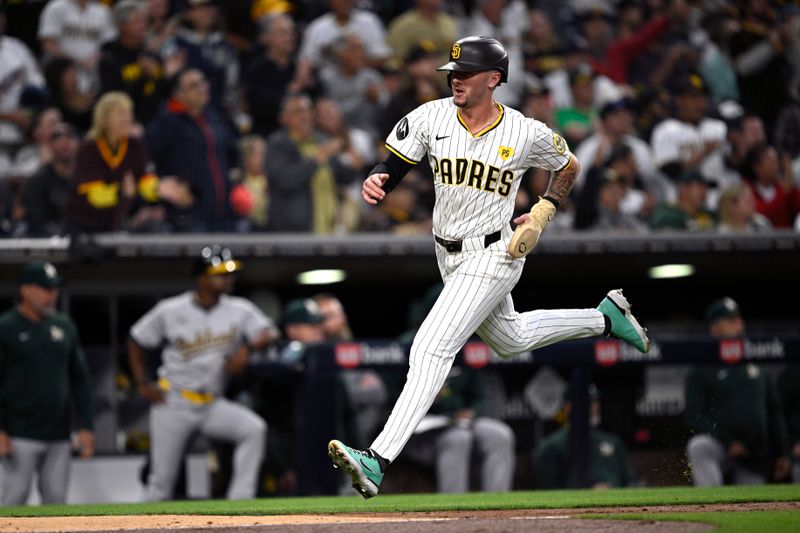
{"points": [[265, 115]]}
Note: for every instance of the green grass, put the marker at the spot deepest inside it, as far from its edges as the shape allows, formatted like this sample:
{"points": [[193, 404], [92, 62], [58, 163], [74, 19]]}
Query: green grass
{"points": [[432, 502], [727, 522]]}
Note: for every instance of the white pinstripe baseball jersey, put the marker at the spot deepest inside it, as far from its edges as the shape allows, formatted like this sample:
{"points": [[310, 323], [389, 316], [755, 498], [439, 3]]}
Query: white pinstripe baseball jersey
{"points": [[197, 341], [18, 70], [476, 176]]}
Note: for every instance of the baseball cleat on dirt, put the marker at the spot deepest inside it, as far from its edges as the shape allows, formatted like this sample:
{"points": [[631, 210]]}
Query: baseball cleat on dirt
{"points": [[623, 324], [361, 466]]}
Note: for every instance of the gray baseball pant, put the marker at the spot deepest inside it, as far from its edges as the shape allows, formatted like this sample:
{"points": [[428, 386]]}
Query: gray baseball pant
{"points": [[710, 462], [495, 445], [173, 423], [49, 459]]}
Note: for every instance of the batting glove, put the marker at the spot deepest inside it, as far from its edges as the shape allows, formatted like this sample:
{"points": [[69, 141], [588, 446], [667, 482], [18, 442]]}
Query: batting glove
{"points": [[527, 234]]}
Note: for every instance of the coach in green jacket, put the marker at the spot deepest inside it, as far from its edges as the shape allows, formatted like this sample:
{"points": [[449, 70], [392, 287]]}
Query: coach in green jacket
{"points": [[610, 465], [734, 413], [41, 366]]}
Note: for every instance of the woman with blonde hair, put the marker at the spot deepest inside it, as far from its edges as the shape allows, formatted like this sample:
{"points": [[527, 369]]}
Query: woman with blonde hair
{"points": [[109, 163], [737, 212], [111, 176]]}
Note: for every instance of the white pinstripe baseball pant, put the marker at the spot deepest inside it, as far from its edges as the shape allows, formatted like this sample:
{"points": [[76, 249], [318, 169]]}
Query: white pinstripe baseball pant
{"points": [[475, 299]]}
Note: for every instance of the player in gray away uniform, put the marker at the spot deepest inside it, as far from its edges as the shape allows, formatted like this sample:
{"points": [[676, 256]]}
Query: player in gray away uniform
{"points": [[206, 335], [478, 150]]}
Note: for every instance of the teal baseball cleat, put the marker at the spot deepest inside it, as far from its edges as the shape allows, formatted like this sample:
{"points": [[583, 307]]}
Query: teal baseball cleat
{"points": [[623, 324], [362, 467]]}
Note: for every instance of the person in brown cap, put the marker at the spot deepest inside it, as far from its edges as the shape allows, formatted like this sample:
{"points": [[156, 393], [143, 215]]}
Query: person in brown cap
{"points": [[41, 365]]}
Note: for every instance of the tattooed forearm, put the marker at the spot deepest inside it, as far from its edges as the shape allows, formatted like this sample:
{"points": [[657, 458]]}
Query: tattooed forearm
{"points": [[562, 181]]}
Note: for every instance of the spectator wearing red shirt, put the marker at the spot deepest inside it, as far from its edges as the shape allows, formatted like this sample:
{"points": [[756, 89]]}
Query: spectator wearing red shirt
{"points": [[775, 195]]}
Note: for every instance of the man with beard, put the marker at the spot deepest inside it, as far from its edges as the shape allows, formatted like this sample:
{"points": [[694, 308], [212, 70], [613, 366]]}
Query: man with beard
{"points": [[44, 195], [41, 366]]}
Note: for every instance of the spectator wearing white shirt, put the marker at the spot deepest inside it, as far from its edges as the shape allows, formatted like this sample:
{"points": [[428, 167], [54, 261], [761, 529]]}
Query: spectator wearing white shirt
{"points": [[616, 126], [18, 73], [690, 140], [343, 19], [507, 21], [355, 86], [76, 29]]}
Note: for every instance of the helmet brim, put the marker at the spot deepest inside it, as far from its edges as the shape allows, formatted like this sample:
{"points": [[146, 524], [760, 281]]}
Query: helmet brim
{"points": [[225, 267], [462, 67]]}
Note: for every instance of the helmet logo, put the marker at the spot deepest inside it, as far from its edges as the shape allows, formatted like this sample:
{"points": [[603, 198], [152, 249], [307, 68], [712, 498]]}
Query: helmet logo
{"points": [[455, 52]]}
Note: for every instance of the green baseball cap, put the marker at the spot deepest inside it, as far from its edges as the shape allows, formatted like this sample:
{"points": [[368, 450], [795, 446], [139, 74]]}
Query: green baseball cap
{"points": [[40, 273], [302, 311], [722, 308]]}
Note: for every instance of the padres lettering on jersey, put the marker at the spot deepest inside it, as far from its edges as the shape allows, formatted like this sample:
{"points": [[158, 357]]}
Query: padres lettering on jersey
{"points": [[475, 174], [476, 177]]}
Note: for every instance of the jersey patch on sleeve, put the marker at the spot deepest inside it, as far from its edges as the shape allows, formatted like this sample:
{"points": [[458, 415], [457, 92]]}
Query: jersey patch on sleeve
{"points": [[559, 143], [402, 129]]}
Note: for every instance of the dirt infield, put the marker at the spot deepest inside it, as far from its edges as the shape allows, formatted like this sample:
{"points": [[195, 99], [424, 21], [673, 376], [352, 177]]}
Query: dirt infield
{"points": [[540, 520]]}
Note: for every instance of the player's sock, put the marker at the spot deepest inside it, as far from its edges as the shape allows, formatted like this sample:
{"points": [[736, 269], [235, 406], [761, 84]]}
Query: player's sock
{"points": [[381, 461], [607, 330]]}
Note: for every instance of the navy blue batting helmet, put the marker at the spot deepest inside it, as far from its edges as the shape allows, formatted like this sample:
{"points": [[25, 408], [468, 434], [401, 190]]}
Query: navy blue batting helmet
{"points": [[476, 54]]}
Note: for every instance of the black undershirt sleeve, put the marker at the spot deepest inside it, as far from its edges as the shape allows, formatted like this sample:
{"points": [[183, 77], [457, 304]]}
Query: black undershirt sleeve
{"points": [[396, 167]]}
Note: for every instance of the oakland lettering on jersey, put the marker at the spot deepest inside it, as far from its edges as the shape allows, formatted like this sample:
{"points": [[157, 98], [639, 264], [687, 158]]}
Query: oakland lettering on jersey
{"points": [[203, 341], [473, 173]]}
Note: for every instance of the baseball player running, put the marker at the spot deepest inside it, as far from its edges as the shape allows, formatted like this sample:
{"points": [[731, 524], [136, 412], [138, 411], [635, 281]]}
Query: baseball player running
{"points": [[478, 150], [206, 335]]}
